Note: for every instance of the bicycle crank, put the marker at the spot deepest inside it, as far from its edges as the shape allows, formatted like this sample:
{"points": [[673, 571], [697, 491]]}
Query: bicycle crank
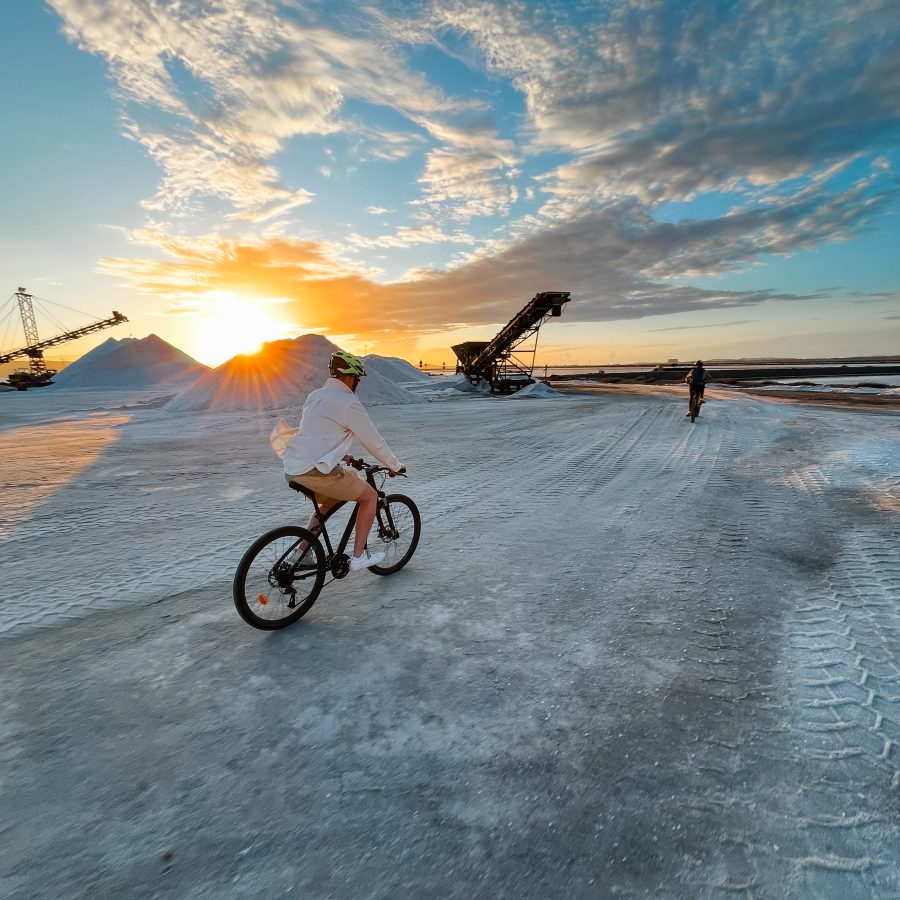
{"points": [[340, 565]]}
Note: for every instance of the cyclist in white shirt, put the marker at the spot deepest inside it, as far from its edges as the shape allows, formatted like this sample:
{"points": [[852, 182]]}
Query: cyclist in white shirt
{"points": [[332, 417]]}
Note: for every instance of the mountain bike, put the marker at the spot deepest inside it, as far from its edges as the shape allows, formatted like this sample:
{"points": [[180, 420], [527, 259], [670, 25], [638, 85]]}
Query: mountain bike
{"points": [[279, 579], [694, 407]]}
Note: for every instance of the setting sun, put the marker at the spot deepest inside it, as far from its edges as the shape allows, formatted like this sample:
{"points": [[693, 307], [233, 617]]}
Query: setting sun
{"points": [[233, 327]]}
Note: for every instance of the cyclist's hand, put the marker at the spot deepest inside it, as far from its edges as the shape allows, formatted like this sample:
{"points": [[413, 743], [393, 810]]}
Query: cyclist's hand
{"points": [[347, 458], [400, 471]]}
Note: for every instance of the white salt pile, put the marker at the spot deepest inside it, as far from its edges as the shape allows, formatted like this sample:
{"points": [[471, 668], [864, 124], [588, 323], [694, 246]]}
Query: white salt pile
{"points": [[537, 390], [445, 387], [394, 369], [131, 363], [282, 374]]}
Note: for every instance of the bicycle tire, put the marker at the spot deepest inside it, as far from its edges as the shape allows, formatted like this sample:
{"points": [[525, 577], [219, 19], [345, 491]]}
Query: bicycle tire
{"points": [[408, 522], [278, 543]]}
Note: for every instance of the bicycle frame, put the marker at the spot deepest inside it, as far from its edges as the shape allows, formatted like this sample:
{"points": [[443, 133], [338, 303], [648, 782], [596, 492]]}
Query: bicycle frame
{"points": [[381, 509], [323, 530]]}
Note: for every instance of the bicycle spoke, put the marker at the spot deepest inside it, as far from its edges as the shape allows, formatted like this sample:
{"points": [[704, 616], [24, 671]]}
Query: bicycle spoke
{"points": [[270, 588], [397, 534], [402, 525]]}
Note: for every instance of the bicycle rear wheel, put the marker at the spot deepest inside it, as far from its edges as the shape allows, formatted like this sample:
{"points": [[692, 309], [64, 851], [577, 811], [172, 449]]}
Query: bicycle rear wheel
{"points": [[271, 589], [695, 406], [398, 526]]}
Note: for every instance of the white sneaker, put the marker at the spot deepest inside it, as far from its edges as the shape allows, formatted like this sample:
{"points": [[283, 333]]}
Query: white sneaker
{"points": [[300, 556], [358, 563]]}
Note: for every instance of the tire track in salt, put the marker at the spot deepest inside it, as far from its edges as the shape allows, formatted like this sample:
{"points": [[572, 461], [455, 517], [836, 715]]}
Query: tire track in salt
{"points": [[722, 680], [843, 643]]}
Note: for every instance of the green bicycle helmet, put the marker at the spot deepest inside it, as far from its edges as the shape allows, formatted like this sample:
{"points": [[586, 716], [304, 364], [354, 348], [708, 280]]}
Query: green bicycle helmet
{"points": [[344, 363]]}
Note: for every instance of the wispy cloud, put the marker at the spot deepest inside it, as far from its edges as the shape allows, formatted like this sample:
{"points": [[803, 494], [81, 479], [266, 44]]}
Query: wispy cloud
{"points": [[181, 308], [792, 109], [472, 182], [383, 144], [618, 261], [880, 297], [660, 100], [715, 325], [217, 91], [409, 235]]}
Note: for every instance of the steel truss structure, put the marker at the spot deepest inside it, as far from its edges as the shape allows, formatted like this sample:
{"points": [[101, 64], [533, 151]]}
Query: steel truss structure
{"points": [[38, 375], [507, 362]]}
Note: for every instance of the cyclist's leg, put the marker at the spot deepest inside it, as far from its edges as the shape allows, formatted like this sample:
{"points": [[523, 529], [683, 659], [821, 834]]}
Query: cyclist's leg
{"points": [[340, 485], [365, 516], [325, 505]]}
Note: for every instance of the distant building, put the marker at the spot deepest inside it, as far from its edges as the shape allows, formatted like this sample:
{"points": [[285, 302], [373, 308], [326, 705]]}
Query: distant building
{"points": [[673, 362]]}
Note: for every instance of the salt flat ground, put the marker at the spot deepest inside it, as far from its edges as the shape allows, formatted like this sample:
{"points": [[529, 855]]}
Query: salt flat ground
{"points": [[631, 657]]}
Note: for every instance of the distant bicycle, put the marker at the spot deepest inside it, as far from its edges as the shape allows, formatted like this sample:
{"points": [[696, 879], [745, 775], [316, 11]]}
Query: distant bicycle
{"points": [[694, 407], [696, 379], [277, 581]]}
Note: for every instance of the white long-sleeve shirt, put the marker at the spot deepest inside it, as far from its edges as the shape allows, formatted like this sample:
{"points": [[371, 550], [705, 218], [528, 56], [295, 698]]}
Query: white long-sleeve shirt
{"points": [[332, 416]]}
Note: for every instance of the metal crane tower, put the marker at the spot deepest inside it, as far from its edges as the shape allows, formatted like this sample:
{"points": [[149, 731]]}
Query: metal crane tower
{"points": [[38, 375]]}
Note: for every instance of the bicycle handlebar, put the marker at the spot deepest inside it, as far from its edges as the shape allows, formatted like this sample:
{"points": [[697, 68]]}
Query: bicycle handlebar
{"points": [[371, 468]]}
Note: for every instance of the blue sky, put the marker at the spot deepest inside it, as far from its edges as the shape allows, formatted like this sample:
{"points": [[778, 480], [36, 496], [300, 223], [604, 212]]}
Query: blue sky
{"points": [[710, 179]]}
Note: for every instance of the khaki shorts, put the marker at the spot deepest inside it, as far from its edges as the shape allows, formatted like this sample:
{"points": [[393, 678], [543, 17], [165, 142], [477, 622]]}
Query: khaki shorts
{"points": [[338, 484]]}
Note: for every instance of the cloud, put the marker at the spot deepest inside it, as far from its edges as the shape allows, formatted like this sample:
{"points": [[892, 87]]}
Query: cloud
{"points": [[325, 293], [386, 145], [473, 183], [214, 92], [694, 327], [181, 308], [618, 262], [191, 170], [790, 109], [671, 99], [409, 235], [659, 105]]}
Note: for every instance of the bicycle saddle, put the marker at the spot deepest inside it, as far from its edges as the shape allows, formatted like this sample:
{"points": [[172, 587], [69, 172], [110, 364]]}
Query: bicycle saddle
{"points": [[296, 486]]}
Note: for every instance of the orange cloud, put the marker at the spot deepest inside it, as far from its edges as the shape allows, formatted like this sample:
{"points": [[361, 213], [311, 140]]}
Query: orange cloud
{"points": [[617, 261], [323, 293]]}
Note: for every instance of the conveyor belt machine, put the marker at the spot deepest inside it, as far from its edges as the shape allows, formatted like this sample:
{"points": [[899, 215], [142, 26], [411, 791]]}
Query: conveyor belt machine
{"points": [[506, 362]]}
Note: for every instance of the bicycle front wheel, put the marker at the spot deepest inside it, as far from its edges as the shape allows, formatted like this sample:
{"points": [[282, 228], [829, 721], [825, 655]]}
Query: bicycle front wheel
{"points": [[274, 588], [398, 526]]}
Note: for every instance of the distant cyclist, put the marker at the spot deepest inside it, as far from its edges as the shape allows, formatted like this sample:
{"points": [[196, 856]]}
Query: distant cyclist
{"points": [[332, 417], [697, 378]]}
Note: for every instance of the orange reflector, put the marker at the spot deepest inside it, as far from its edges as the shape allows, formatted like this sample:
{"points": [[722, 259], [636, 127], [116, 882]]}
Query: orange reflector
{"points": [[263, 599]]}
